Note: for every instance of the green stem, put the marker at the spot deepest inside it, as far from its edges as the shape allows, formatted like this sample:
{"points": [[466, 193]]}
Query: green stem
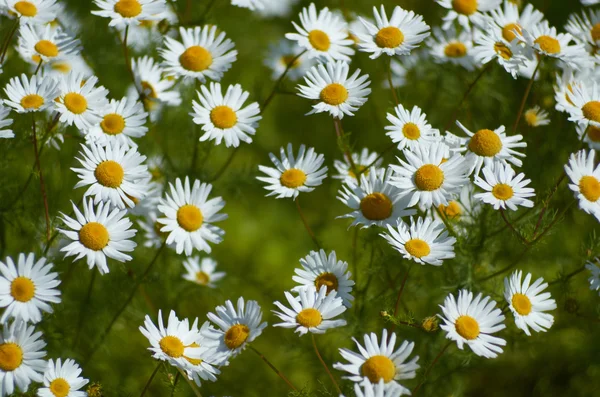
{"points": [[306, 225], [191, 383], [390, 82], [9, 37], [279, 80], [435, 360], [337, 387], [282, 376], [150, 380], [83, 312], [525, 96]]}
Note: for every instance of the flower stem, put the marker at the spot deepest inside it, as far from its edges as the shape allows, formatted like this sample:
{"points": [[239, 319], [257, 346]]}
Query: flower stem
{"points": [[128, 61], [525, 96], [221, 170], [401, 289], [42, 184], [83, 312], [337, 387], [150, 380], [466, 95], [510, 225], [306, 225], [191, 383], [547, 202], [9, 37], [435, 360], [282, 376], [339, 131], [175, 383], [390, 82], [279, 80]]}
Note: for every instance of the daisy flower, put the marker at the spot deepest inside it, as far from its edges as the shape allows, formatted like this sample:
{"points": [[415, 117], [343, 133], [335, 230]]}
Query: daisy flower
{"points": [[312, 311], [28, 289], [563, 88], [153, 237], [121, 121], [381, 389], [323, 35], [21, 358], [509, 19], [410, 128], [201, 55], [446, 46], [320, 269], [536, 117], [589, 134], [59, 68], [466, 11], [236, 327], [149, 81], [463, 209], [281, 55], [380, 361], [149, 34], [224, 117], [114, 173], [44, 44], [98, 233], [63, 379], [362, 161], [31, 95], [292, 175], [426, 241], [527, 302], [202, 272], [399, 35], [472, 322], [491, 45], [189, 216], [586, 104], [153, 193], [5, 122], [338, 94], [585, 181], [80, 102], [594, 278], [374, 200], [129, 12], [34, 12], [486, 147], [585, 28], [428, 176], [504, 188]]}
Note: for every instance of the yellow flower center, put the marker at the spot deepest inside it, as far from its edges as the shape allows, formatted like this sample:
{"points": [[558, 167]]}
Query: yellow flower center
{"points": [[62, 67], [548, 44], [75, 103], [94, 235], [319, 40], [196, 59], [502, 191], [60, 387], [521, 304], [109, 174], [376, 206], [112, 124], [361, 169], [508, 31], [467, 327], [450, 211], [379, 367], [292, 178], [149, 89], [236, 336], [593, 133], [11, 356], [589, 186], [455, 50], [202, 278], [334, 94], [26, 9], [193, 361], [502, 50], [128, 8], [411, 131], [327, 279], [309, 318], [172, 346], [389, 37], [465, 7], [417, 247], [429, 177], [288, 59], [531, 117], [32, 101], [591, 111], [22, 289], [595, 32], [189, 217], [223, 117], [485, 143], [46, 48]]}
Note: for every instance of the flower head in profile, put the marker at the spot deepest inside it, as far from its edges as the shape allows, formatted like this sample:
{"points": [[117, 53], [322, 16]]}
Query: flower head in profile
{"points": [[202, 271], [585, 181], [449, 46], [365, 161]]}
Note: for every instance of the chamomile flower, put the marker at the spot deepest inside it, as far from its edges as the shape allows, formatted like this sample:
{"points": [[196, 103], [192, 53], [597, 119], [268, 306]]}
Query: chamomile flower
{"points": [[281, 55], [225, 117], [202, 272], [373, 200], [80, 102], [323, 35], [410, 128], [472, 322], [446, 46], [528, 304], [189, 216], [98, 233], [21, 361], [28, 289], [563, 88], [399, 35], [379, 361], [319, 269], [237, 327], [63, 379], [121, 121], [31, 95], [363, 160], [504, 189], [585, 181], [536, 117], [466, 11], [149, 33], [586, 104], [129, 12], [114, 173], [202, 54], [509, 19], [338, 94], [491, 45], [293, 174], [426, 178], [33, 12], [425, 241], [585, 28], [463, 209], [149, 81], [153, 237], [5, 121], [153, 193], [589, 134], [60, 68], [381, 389], [43, 44], [486, 147], [312, 311], [594, 278]]}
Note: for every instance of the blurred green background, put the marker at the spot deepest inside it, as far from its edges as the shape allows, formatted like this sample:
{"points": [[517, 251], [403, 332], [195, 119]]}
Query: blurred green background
{"points": [[265, 237]]}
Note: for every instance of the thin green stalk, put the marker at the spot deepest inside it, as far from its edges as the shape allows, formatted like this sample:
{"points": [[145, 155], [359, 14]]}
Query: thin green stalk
{"points": [[337, 387], [435, 360], [9, 37], [391, 83], [282, 376], [306, 225], [150, 379], [279, 80], [82, 311], [191, 383], [525, 96]]}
